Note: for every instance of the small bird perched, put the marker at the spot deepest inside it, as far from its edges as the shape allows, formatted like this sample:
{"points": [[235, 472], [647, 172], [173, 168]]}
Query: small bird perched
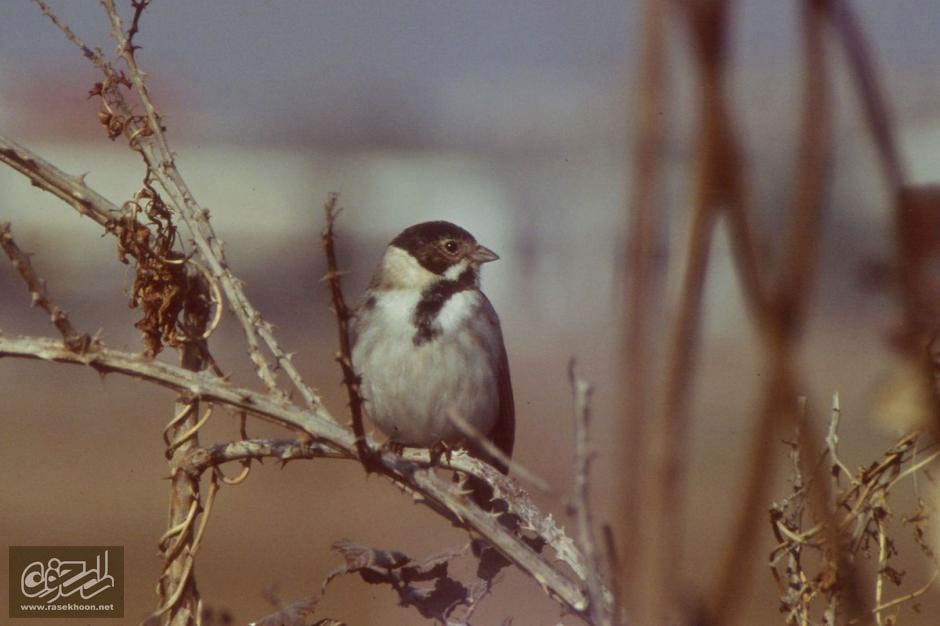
{"points": [[427, 343]]}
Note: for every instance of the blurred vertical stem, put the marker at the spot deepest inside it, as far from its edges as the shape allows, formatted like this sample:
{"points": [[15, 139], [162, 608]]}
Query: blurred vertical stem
{"points": [[669, 444], [644, 246], [781, 320]]}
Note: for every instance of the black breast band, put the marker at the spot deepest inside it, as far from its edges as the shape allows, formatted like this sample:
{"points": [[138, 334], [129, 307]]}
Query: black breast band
{"points": [[433, 300]]}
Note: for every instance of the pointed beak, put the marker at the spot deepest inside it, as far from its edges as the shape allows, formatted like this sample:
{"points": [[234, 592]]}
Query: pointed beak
{"points": [[482, 254]]}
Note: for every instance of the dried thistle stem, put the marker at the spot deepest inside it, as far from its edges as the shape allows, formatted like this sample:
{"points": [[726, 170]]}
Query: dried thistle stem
{"points": [[74, 340], [343, 317], [162, 165], [322, 428], [599, 607]]}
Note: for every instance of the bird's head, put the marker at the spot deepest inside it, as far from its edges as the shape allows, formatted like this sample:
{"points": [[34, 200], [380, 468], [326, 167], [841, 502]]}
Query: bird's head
{"points": [[428, 253]]}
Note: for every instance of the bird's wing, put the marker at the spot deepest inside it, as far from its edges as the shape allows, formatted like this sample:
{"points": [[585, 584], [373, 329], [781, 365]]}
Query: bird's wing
{"points": [[503, 434], [360, 318]]}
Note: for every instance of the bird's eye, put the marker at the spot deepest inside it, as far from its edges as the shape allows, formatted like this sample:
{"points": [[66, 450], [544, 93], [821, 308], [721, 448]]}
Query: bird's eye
{"points": [[450, 246]]}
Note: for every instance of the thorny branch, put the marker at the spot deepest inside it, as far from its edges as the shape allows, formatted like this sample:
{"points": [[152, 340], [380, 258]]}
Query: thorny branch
{"points": [[521, 505], [138, 6], [814, 588], [92, 55], [161, 277], [162, 166], [319, 425], [581, 504], [70, 189], [832, 438], [343, 317], [284, 450], [517, 501], [176, 297], [75, 191], [149, 140], [478, 439], [74, 340], [779, 308]]}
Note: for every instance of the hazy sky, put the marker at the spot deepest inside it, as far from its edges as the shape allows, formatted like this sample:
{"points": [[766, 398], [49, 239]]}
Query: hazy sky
{"points": [[344, 71]]}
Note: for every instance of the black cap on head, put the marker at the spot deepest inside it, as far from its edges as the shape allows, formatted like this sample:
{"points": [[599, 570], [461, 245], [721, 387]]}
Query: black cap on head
{"points": [[415, 237], [424, 242]]}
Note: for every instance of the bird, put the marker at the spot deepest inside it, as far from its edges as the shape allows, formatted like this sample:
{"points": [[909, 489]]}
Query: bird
{"points": [[427, 343]]}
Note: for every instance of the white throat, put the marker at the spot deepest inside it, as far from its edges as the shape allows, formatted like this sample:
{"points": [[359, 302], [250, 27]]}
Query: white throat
{"points": [[400, 270], [454, 271]]}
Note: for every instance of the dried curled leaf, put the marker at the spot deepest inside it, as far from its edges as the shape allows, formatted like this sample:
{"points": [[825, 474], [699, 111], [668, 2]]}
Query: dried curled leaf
{"points": [[439, 600], [171, 301]]}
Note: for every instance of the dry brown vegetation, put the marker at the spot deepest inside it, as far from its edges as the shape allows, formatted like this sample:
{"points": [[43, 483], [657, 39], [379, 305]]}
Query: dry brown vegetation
{"points": [[629, 570]]}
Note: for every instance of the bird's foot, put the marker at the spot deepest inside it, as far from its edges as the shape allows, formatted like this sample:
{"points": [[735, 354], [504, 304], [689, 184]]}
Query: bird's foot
{"points": [[395, 447], [440, 451]]}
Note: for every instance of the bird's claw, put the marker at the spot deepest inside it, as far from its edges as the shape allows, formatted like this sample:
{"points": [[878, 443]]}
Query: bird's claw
{"points": [[395, 447], [440, 450]]}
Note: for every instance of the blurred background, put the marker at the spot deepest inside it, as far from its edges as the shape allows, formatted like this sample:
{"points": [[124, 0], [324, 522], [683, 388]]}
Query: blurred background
{"points": [[513, 120]]}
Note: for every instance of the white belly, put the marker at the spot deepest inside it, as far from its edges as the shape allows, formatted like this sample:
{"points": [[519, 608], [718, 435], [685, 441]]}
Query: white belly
{"points": [[409, 390]]}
